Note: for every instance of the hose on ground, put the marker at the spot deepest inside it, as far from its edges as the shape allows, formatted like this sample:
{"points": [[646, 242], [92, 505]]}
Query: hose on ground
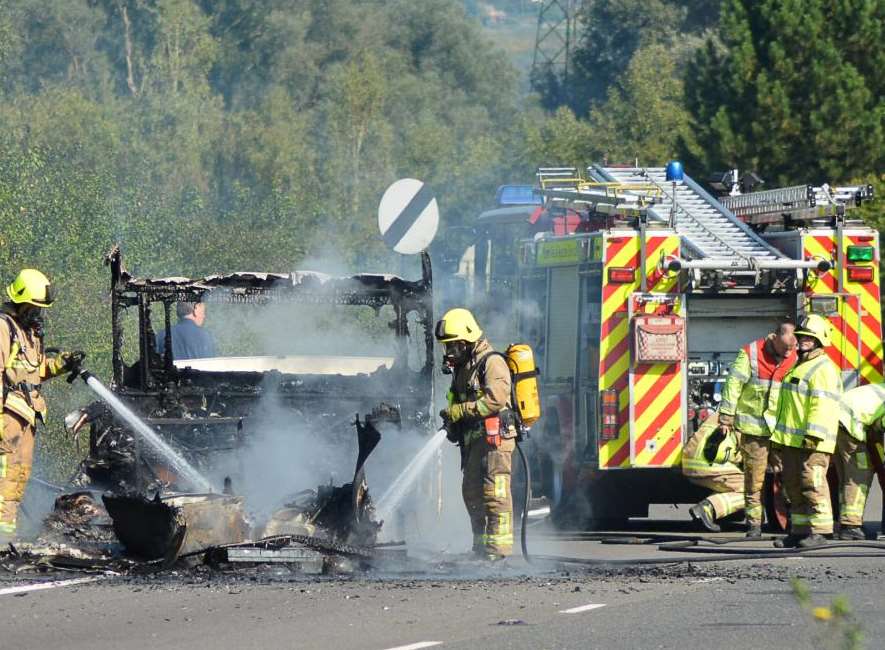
{"points": [[527, 497]]}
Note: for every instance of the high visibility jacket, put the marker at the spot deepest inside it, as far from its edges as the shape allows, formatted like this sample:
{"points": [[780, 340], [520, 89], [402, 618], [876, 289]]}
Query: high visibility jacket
{"points": [[694, 464], [25, 367], [752, 389], [861, 407], [809, 405], [483, 384]]}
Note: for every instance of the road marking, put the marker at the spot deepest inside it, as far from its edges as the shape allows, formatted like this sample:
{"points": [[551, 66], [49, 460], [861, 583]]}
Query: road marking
{"points": [[582, 608], [23, 589], [416, 646]]}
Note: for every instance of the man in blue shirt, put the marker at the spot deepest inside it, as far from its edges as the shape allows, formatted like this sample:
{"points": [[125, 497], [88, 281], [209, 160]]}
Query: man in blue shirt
{"points": [[189, 339]]}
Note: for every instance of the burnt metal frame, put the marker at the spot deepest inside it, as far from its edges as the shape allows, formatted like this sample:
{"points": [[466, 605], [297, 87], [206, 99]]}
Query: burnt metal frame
{"points": [[375, 291]]}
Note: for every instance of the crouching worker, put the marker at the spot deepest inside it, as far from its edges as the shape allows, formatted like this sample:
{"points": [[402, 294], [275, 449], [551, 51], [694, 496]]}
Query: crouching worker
{"points": [[25, 366], [711, 459], [861, 415], [480, 420]]}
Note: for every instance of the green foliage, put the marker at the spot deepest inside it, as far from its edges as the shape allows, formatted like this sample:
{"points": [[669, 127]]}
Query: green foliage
{"points": [[643, 117], [835, 624], [231, 135], [611, 32], [787, 89]]}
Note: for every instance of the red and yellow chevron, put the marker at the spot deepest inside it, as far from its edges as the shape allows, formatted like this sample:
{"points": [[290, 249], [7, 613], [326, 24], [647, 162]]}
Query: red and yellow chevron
{"points": [[621, 249], [857, 328]]}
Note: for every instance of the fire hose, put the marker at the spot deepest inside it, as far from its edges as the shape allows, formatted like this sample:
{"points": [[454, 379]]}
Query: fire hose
{"points": [[527, 497]]}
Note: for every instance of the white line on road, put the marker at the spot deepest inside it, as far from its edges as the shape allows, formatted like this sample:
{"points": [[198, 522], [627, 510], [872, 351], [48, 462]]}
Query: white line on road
{"points": [[582, 608], [23, 589], [417, 646]]}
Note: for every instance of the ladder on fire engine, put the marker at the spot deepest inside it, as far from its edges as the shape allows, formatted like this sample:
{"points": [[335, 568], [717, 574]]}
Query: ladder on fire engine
{"points": [[799, 202], [708, 229], [565, 184]]}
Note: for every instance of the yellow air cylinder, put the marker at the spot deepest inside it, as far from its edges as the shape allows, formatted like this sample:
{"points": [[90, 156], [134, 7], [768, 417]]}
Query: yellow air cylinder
{"points": [[521, 361]]}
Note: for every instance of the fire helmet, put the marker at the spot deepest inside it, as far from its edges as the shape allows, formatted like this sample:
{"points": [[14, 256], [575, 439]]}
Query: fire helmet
{"points": [[458, 325], [817, 327], [30, 287]]}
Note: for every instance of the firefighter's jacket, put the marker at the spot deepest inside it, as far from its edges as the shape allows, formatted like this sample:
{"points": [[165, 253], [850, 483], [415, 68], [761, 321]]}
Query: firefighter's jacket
{"points": [[695, 465], [752, 389], [809, 404], [862, 407], [25, 367], [483, 384]]}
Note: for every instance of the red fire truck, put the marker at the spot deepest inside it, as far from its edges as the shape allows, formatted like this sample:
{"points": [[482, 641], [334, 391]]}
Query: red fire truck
{"points": [[637, 289]]}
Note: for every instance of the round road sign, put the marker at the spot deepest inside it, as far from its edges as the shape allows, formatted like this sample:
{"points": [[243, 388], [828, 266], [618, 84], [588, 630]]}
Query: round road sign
{"points": [[408, 216]]}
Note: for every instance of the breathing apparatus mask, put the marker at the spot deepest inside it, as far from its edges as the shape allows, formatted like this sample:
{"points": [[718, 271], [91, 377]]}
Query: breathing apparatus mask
{"points": [[456, 354], [32, 318]]}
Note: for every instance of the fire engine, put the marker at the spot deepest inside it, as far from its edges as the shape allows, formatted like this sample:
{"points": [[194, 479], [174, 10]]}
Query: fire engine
{"points": [[637, 288]]}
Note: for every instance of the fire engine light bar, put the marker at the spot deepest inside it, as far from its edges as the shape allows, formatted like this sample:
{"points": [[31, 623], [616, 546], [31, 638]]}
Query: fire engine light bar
{"points": [[621, 274], [860, 273], [675, 264], [860, 253]]}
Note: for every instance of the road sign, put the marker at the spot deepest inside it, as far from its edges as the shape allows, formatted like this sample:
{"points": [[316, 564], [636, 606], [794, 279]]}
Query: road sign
{"points": [[408, 216]]}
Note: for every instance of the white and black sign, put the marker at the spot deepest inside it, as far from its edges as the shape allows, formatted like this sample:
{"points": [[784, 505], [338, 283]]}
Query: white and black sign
{"points": [[408, 216]]}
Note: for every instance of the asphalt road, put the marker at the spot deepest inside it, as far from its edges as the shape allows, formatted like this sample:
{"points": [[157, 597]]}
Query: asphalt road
{"points": [[615, 602], [738, 605]]}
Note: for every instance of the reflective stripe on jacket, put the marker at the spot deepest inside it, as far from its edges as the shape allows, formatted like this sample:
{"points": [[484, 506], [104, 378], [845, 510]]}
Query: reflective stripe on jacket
{"points": [[809, 405], [752, 389], [862, 407], [693, 461]]}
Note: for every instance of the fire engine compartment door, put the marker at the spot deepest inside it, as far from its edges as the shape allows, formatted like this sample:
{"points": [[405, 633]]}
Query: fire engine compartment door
{"points": [[657, 379]]}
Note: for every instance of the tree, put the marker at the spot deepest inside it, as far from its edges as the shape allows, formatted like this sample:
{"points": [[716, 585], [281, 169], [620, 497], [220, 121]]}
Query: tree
{"points": [[644, 116], [611, 31], [786, 90]]}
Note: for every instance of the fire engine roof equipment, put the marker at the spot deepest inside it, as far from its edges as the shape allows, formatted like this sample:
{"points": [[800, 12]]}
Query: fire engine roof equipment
{"points": [[709, 230]]}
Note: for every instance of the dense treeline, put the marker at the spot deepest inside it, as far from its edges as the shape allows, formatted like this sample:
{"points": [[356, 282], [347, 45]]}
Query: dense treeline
{"points": [[212, 135]]}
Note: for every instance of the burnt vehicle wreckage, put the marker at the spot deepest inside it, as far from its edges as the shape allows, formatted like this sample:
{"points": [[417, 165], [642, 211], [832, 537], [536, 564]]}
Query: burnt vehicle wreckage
{"points": [[213, 408]]}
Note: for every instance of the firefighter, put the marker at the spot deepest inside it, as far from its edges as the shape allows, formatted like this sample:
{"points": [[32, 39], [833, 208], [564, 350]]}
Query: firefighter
{"points": [[25, 366], [805, 434], [749, 403], [863, 410], [711, 459], [479, 419]]}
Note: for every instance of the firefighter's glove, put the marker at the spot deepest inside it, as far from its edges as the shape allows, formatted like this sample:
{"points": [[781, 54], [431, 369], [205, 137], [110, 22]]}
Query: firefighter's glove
{"points": [[454, 413], [72, 360], [810, 442], [726, 422]]}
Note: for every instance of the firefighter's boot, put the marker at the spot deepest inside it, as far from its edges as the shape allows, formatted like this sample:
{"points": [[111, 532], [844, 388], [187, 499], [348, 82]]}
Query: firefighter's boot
{"points": [[812, 541], [790, 541], [852, 534], [704, 513], [754, 531]]}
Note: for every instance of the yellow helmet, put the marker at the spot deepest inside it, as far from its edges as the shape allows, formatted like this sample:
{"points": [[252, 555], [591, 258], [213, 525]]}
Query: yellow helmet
{"points": [[31, 287], [817, 327], [458, 325]]}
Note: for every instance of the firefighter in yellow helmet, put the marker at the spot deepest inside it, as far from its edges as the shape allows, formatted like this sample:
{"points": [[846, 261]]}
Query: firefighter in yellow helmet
{"points": [[711, 459], [749, 405], [862, 413], [25, 366], [479, 419], [805, 433]]}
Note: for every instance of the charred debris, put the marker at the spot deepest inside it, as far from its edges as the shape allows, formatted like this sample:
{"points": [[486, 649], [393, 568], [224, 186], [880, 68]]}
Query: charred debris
{"points": [[126, 509]]}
